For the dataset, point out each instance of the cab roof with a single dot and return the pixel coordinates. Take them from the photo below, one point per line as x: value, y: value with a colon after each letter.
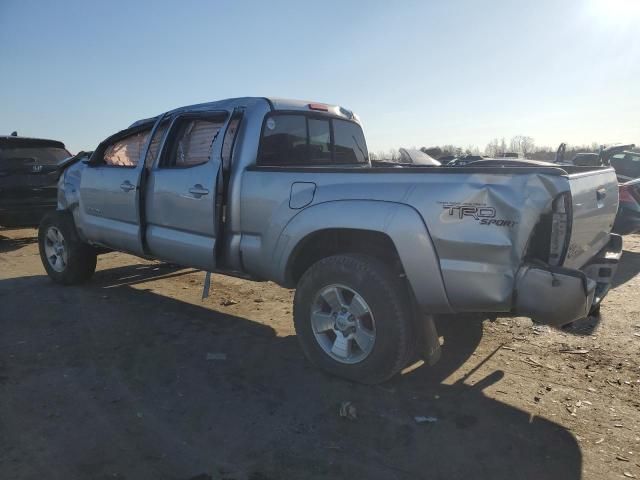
x: 275, y: 104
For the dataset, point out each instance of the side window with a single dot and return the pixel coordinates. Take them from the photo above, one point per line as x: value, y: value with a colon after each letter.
x: 192, y: 142
x: 126, y: 152
x: 350, y: 146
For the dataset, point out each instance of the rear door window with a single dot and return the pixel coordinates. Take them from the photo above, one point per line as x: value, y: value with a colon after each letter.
x: 191, y: 145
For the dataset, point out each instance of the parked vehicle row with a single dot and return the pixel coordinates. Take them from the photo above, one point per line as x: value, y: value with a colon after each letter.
x: 283, y: 190
x: 29, y: 170
x: 627, y: 166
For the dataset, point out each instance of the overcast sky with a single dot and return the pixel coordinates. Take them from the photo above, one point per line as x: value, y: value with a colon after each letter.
x: 418, y: 73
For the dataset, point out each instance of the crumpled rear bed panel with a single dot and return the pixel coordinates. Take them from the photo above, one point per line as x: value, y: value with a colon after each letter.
x: 481, y: 248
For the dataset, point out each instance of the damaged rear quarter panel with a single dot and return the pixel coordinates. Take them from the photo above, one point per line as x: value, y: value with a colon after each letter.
x: 480, y: 225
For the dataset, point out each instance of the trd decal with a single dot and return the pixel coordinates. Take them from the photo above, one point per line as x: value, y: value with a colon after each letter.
x: 481, y: 213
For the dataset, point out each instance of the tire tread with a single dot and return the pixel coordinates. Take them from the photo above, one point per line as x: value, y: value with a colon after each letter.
x: 394, y: 293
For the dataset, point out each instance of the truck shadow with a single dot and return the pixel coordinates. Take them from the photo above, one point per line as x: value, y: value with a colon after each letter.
x: 8, y: 244
x: 109, y: 381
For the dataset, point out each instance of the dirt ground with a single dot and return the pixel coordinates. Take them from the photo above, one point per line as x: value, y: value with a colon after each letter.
x: 133, y: 376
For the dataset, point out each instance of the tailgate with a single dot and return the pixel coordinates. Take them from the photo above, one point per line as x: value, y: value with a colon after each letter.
x: 594, y: 196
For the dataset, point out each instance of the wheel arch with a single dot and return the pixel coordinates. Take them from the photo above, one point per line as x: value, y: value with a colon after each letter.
x: 394, y: 232
x: 332, y: 241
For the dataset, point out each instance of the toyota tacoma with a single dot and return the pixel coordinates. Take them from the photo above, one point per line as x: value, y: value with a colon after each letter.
x: 283, y: 190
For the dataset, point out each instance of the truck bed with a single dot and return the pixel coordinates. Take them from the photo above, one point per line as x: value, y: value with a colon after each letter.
x: 482, y: 220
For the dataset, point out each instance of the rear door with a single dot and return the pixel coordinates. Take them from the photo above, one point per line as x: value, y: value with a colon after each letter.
x: 109, y: 191
x: 180, y: 202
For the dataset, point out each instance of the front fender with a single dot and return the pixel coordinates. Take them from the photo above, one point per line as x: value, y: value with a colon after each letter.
x: 404, y: 226
x: 69, y: 192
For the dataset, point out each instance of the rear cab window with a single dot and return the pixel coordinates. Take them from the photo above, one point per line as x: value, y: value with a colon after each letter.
x: 299, y: 139
x: 350, y: 146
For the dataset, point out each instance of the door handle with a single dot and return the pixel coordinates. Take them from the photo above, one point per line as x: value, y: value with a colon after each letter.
x: 127, y: 186
x: 198, y: 191
x: 601, y: 194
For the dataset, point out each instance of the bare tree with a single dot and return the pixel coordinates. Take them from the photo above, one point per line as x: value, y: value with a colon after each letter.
x: 527, y: 145
x: 514, y: 145
x: 503, y: 147
x: 492, y: 148
x: 522, y: 144
x: 472, y: 150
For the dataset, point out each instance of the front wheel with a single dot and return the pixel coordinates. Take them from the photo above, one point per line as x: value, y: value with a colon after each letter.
x: 354, y: 318
x: 65, y: 257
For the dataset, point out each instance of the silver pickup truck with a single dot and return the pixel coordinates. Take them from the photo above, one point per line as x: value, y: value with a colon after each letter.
x: 283, y: 190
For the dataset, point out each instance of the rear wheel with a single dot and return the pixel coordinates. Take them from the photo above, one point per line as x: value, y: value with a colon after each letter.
x: 65, y: 257
x: 354, y: 318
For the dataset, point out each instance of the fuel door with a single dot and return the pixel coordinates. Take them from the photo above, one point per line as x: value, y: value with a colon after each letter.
x: 301, y: 195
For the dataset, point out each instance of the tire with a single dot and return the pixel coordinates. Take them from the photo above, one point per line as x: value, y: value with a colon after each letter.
x: 390, y: 318
x: 74, y: 261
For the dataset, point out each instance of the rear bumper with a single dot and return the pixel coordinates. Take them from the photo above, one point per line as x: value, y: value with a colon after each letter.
x: 557, y: 296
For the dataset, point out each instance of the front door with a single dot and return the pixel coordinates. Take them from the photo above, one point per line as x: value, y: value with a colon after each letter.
x: 180, y: 203
x: 109, y: 192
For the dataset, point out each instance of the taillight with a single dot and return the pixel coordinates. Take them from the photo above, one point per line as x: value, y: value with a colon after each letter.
x: 560, y: 229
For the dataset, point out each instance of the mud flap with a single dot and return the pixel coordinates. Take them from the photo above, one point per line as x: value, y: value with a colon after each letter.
x: 602, y: 268
x: 553, y: 295
x: 431, y: 341
x: 207, y: 285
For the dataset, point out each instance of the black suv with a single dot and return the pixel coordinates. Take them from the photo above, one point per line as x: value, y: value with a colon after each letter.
x: 29, y: 171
